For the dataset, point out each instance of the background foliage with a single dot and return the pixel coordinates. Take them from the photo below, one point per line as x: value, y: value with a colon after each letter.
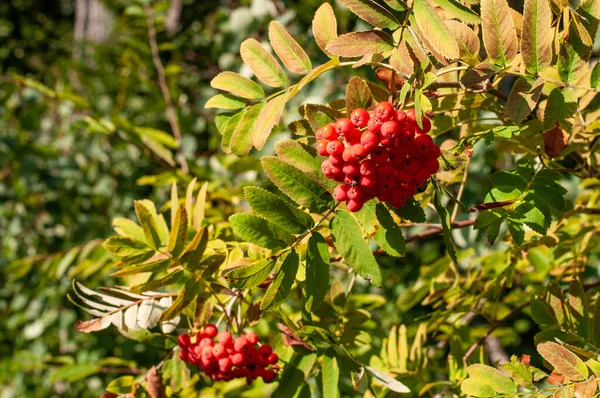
x: 85, y: 137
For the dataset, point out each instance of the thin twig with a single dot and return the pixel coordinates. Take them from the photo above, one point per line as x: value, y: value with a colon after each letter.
x: 435, y: 231
x: 460, y: 192
x: 164, y: 88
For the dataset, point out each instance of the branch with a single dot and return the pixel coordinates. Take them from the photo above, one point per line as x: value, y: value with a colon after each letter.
x: 435, y: 231
x: 164, y: 88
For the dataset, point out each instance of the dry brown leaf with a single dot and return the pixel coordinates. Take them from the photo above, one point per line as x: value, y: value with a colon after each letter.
x: 390, y: 78
x: 154, y: 385
x: 555, y: 378
x: 290, y: 338
x: 555, y: 141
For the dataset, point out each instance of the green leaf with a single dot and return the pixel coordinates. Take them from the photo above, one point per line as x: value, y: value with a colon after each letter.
x: 508, y: 179
x: 291, y: 54
x: 530, y: 215
x: 499, y: 382
x: 120, y: 385
x: 499, y: 35
x: 320, y: 115
x: 358, y: 44
x: 388, y: 381
x: 190, y: 290
x: 445, y: 221
x: 237, y: 85
x: 397, y: 5
x: 578, y: 308
x: 523, y: 97
x: 485, y: 218
x: 301, y: 127
x: 129, y: 229
x: 389, y: 236
x: 282, y: 284
x: 264, y: 65
x: 434, y: 29
x: 324, y: 27
x: 260, y: 232
x: 229, y: 129
x: 317, y: 271
x: 518, y: 372
x: 367, y: 216
x: 278, y: 211
x: 372, y: 13
x: 296, y: 184
x: 476, y: 388
x: 352, y: 246
x: 224, y: 101
x: 267, y: 119
x: 517, y: 232
x: 459, y: 11
x: 178, y: 233
x: 536, y: 36
x: 358, y: 95
x: 122, y: 246
x: 561, y: 106
x: 563, y: 360
x: 330, y: 374
x: 148, y: 224
x: 572, y: 60
x: 411, y: 211
x: 241, y: 138
x: 252, y: 275
x: 296, y: 154
x: 467, y: 40
x: 196, y: 249
x: 294, y: 375
x: 541, y: 313
x: 595, y: 76
x: 493, y: 231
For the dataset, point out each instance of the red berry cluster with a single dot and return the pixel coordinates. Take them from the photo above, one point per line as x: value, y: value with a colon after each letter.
x: 380, y: 154
x: 227, y: 358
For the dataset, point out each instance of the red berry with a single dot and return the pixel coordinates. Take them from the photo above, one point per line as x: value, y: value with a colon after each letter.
x: 335, y: 148
x: 411, y: 166
x: 359, y: 117
x: 258, y: 372
x: 225, y: 338
x: 326, y: 167
x: 352, y: 169
x: 406, y: 135
x: 385, y: 171
x: 387, y: 142
x: 326, y: 133
x: 369, y: 182
x: 426, y: 126
x: 356, y: 193
x: 368, y: 167
x: 340, y: 193
x: 401, y: 116
x: 183, y: 340
x: 384, y: 111
x: 433, y: 154
x: 411, y: 116
x: 336, y: 160
x: 322, y: 147
x: 354, y: 205
x: 343, y: 125
x: 205, y: 342
x: 369, y: 140
x: 184, y: 355
x: 207, y: 352
x: 432, y: 166
x: 273, y: 358
x: 421, y: 176
x: 211, y: 330
x: 352, y: 137
x: 374, y: 125
x: 252, y: 338
x: 384, y: 195
x: 237, y: 359
x: 241, y: 343
x: 360, y: 151
x: 422, y: 144
x: 268, y: 375
x: 251, y: 355
x: 219, y: 351
x: 379, y: 155
x: 390, y: 129
x: 201, y: 336
x: 265, y: 351
x: 349, y: 155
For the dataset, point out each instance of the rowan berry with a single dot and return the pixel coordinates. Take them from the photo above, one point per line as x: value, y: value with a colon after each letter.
x: 340, y: 193
x: 219, y: 351
x: 352, y: 169
x: 374, y: 125
x: 252, y: 338
x: 360, y: 152
x: 266, y: 350
x: 343, y: 125
x: 183, y: 340
x: 241, y: 343
x: 269, y: 375
x: 211, y: 330
x: 390, y: 130
x: 384, y: 111
x: 335, y: 147
x: 326, y: 132
x: 225, y: 338
x: 322, y: 147
x: 426, y: 126
x: 273, y: 358
x: 354, y: 205
x: 369, y: 140
x: 359, y: 117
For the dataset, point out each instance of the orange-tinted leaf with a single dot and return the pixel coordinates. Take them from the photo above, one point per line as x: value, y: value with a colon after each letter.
x: 555, y: 141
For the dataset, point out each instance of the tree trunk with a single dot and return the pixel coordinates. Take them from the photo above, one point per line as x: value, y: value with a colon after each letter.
x: 173, y: 17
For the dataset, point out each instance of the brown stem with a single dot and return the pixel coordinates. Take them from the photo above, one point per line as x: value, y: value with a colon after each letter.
x: 493, y: 205
x: 164, y: 88
x: 435, y: 231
